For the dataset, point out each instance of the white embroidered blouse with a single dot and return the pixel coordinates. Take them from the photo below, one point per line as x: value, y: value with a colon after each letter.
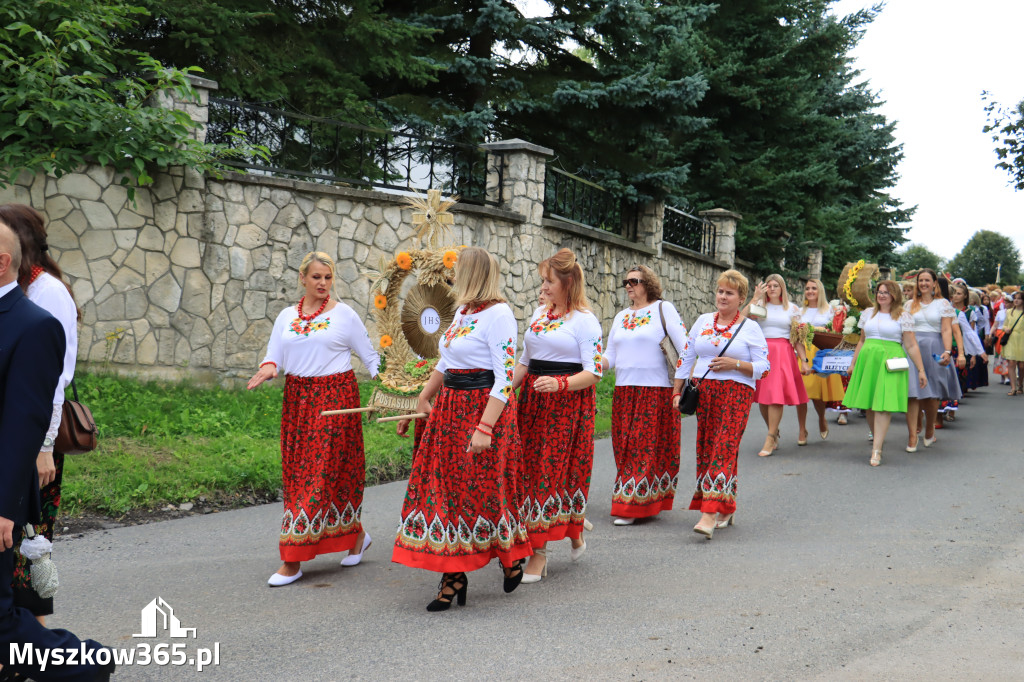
x: 749, y: 345
x: 929, y: 317
x: 883, y: 328
x: 634, y: 349
x: 573, y: 338
x: 322, y: 346
x: 483, y: 340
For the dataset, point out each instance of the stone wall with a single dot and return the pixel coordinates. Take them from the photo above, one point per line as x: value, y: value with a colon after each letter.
x: 187, y: 279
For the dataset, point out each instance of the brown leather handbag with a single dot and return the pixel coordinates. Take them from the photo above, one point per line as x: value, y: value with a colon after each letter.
x: 77, y: 432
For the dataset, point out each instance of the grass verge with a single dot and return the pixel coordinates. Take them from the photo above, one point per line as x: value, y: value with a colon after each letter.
x: 166, y: 443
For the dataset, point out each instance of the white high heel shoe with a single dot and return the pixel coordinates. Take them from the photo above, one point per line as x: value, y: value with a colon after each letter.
x: 530, y: 578
x: 354, y: 559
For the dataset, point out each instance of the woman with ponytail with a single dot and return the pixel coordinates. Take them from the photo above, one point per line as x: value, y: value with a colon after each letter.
x: 559, y: 366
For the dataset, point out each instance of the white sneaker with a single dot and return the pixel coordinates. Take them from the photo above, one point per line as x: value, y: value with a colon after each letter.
x: 622, y: 521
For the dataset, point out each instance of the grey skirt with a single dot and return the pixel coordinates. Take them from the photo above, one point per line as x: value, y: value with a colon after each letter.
x: 942, y: 381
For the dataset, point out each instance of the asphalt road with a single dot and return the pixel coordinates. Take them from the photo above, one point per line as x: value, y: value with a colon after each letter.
x: 834, y: 571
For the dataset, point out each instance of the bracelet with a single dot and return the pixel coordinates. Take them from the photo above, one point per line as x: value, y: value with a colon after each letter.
x: 489, y: 434
x: 563, y: 383
x: 947, y: 352
x: 483, y: 423
x: 268, y: 362
x: 674, y: 395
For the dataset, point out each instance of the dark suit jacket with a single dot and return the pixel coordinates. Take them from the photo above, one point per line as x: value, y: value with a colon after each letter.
x: 31, y: 360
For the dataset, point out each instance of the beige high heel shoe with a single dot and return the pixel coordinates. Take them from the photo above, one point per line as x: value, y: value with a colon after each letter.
x: 529, y: 578
x: 876, y: 457
x: 775, y: 446
x: 727, y: 521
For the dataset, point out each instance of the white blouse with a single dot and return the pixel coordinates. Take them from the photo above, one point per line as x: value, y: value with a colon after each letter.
x: 483, y: 340
x: 776, y: 324
x: 574, y: 338
x: 1000, y: 318
x: 50, y: 294
x: 705, y: 344
x: 322, y: 346
x: 815, y: 317
x: 634, y: 344
x: 929, y: 317
x: 883, y: 327
x: 972, y: 344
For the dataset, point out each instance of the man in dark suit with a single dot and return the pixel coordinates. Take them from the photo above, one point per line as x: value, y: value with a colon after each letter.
x: 31, y: 359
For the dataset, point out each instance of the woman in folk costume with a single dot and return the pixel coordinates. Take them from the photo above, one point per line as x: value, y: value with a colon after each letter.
x: 462, y: 506
x: 557, y: 370
x: 645, y: 428
x: 322, y: 458
x: 821, y: 390
x: 886, y: 333
x: 784, y: 385
x: 725, y: 355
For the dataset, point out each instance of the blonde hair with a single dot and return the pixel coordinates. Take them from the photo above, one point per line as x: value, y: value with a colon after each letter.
x: 974, y: 298
x: 477, y: 277
x: 569, y: 272
x: 823, y: 306
x: 775, y: 277
x: 895, y: 293
x: 735, y: 280
x: 652, y: 283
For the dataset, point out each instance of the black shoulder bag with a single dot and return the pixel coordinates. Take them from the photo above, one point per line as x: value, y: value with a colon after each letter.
x: 691, y: 393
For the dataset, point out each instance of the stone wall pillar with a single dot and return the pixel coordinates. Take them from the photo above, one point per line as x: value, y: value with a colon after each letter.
x: 726, y: 223
x: 815, y: 260
x: 198, y: 108
x: 515, y: 177
x: 650, y: 227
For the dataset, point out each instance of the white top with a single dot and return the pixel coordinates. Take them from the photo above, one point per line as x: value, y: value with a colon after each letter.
x: 705, y: 344
x: 575, y: 338
x: 883, y: 327
x: 634, y: 344
x: 484, y: 340
x: 322, y: 346
x: 50, y: 294
x: 972, y: 345
x: 1000, y: 318
x: 776, y: 324
x: 929, y: 317
x: 980, y: 318
x: 815, y: 317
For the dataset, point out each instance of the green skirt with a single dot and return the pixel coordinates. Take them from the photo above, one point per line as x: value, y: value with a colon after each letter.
x: 872, y: 386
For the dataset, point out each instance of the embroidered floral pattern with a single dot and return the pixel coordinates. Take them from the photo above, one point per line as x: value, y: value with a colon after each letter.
x: 509, y: 347
x: 645, y: 439
x: 721, y: 418
x: 542, y: 325
x: 632, y: 321
x: 598, y: 349
x: 306, y: 328
x: 457, y: 331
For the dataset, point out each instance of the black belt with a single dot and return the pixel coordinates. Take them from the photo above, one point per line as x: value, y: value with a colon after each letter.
x: 546, y: 368
x: 470, y: 380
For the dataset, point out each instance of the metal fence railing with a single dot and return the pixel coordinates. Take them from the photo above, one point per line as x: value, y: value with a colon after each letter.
x: 329, y: 150
x: 571, y: 198
x: 690, y: 232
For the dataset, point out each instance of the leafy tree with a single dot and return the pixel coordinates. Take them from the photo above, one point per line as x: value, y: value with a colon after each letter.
x: 982, y: 256
x: 1007, y: 128
x: 70, y: 94
x: 915, y: 257
x: 321, y: 57
x: 793, y: 143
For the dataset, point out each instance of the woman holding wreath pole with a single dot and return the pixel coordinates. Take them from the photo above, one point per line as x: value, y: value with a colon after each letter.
x: 645, y: 428
x: 784, y: 386
x: 886, y: 334
x: 933, y: 327
x: 726, y: 393
x: 322, y: 458
x: 821, y: 390
x: 558, y: 368
x: 462, y: 505
x: 43, y: 283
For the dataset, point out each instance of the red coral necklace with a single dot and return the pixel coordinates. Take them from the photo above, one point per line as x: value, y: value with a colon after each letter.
x: 309, y: 318
x: 466, y: 311
x: 727, y: 327
x: 36, y: 271
x: 551, y: 313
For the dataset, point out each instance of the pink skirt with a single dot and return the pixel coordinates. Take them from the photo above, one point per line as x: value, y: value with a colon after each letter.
x: 784, y: 384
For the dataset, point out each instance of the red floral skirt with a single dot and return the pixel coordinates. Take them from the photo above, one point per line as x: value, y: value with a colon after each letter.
x: 645, y: 437
x: 323, y: 466
x: 558, y: 457
x: 721, y: 418
x: 24, y: 596
x: 463, y: 509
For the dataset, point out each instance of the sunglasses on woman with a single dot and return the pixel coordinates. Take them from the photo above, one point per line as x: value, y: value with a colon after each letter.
x: 632, y: 281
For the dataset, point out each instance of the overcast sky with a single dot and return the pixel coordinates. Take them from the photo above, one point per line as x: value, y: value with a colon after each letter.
x: 929, y: 61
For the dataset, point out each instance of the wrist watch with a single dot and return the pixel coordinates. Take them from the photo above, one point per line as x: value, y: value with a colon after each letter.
x: 737, y: 364
x: 47, y: 442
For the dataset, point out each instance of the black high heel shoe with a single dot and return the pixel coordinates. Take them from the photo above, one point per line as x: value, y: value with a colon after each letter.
x: 513, y: 576
x: 452, y: 586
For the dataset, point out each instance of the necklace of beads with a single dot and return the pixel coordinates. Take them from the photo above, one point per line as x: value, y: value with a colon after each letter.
x: 36, y: 271
x: 466, y: 311
x: 551, y: 314
x: 727, y: 327
x: 309, y: 318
